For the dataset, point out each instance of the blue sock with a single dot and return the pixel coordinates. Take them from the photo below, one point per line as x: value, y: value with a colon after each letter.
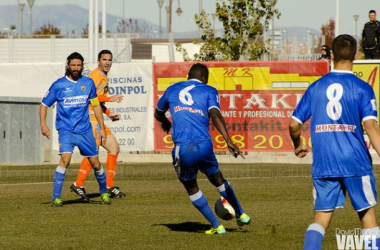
x: 228, y: 193
x: 59, y: 177
x: 200, y: 202
x: 372, y: 233
x: 101, y: 178
x: 314, y: 237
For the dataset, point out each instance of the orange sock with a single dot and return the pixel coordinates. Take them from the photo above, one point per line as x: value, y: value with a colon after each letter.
x: 111, y: 169
x: 85, y: 168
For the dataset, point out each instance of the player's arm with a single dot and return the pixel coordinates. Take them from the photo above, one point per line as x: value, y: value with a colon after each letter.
x: 111, y: 115
x: 300, y: 150
x: 99, y: 117
x: 45, y: 131
x: 161, y: 117
x: 114, y: 98
x: 220, y: 124
x: 373, y: 133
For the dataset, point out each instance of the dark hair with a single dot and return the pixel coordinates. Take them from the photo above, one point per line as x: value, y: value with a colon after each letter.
x: 372, y: 11
x: 73, y: 56
x: 198, y: 71
x: 344, y: 48
x: 105, y: 51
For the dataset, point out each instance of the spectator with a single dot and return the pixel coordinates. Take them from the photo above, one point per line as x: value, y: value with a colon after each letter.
x: 371, y: 37
x: 325, y: 53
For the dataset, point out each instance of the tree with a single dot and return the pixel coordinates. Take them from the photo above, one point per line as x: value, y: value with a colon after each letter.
x: 85, y: 30
x: 47, y: 29
x: 243, y: 21
x: 132, y: 26
x: 328, y: 30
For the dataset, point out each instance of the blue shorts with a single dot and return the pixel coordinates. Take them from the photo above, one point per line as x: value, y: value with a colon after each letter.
x: 330, y: 193
x: 85, y: 142
x: 188, y: 158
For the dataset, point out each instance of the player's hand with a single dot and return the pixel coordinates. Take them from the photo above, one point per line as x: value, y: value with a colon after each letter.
x: 103, y: 136
x: 116, y: 98
x: 235, y: 151
x: 45, y: 131
x: 301, y: 151
x: 166, y: 126
x: 114, y: 116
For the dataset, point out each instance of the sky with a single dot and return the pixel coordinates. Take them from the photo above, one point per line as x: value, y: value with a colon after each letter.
x: 305, y: 13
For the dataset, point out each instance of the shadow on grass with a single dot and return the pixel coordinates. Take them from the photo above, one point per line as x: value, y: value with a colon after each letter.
x: 192, y: 227
x: 80, y: 201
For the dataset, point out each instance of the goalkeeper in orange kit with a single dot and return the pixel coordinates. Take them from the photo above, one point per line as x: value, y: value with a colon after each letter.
x: 99, y: 75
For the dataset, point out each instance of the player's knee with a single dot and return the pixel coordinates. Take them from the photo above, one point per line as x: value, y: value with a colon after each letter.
x: 95, y: 163
x: 216, y: 179
x: 191, y: 186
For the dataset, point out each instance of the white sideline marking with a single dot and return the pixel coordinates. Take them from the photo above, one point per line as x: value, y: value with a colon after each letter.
x: 199, y: 179
x: 17, y: 184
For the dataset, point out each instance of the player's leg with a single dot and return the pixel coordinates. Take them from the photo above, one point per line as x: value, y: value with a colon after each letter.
x: 113, y: 149
x: 66, y: 148
x: 362, y: 191
x: 85, y: 166
x: 184, y: 161
x: 87, y: 147
x: 328, y: 195
x: 209, y: 165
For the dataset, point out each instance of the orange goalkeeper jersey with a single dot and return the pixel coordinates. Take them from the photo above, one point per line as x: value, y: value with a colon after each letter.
x: 101, y: 84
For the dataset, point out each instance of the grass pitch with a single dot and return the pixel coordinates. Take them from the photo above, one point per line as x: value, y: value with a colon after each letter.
x: 157, y: 213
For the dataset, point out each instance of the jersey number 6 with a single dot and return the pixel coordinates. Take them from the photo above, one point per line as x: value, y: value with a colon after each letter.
x: 185, y: 97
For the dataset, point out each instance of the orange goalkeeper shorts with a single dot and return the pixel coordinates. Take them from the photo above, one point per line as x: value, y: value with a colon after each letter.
x: 96, y: 130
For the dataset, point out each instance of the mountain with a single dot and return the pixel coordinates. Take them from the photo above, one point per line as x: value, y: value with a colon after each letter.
x: 67, y: 17
x: 71, y: 18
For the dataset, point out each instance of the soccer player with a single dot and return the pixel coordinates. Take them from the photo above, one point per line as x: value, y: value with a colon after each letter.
x: 338, y: 104
x: 99, y: 75
x: 73, y: 93
x: 191, y: 103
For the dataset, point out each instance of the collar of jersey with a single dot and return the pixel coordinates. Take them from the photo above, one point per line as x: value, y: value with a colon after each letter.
x: 341, y: 71
x: 195, y: 80
x: 71, y: 80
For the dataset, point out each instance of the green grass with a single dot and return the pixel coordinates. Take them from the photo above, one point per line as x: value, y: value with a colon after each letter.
x: 157, y: 213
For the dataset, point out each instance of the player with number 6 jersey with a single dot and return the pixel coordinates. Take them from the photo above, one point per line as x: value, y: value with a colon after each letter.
x: 192, y: 103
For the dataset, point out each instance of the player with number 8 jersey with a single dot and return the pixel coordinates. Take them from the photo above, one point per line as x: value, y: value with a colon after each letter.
x: 336, y: 133
x: 338, y: 104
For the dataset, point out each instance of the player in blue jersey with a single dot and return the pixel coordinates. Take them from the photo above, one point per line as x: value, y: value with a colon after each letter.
x: 191, y: 103
x: 338, y: 103
x: 73, y: 94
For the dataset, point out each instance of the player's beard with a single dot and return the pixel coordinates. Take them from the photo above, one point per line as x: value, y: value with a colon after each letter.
x: 75, y: 75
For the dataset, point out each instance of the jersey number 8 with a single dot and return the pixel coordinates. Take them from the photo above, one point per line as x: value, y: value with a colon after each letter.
x: 334, y: 108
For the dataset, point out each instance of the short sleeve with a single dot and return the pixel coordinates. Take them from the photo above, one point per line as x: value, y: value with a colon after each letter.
x: 163, y: 103
x: 368, y: 105
x: 93, y: 93
x: 302, y: 112
x: 51, y: 96
x: 213, y: 99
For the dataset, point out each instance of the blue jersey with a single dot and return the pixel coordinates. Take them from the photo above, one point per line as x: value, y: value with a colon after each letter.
x: 73, y: 99
x: 338, y: 103
x: 189, y: 103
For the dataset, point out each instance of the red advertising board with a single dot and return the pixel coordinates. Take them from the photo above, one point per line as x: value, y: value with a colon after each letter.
x: 256, y: 98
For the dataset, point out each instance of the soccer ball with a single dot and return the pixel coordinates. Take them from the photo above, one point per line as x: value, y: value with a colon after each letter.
x: 223, y: 209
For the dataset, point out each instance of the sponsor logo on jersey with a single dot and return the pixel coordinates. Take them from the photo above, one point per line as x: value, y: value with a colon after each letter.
x: 334, y: 128
x: 83, y: 87
x: 75, y: 101
x: 191, y: 110
x: 68, y: 90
